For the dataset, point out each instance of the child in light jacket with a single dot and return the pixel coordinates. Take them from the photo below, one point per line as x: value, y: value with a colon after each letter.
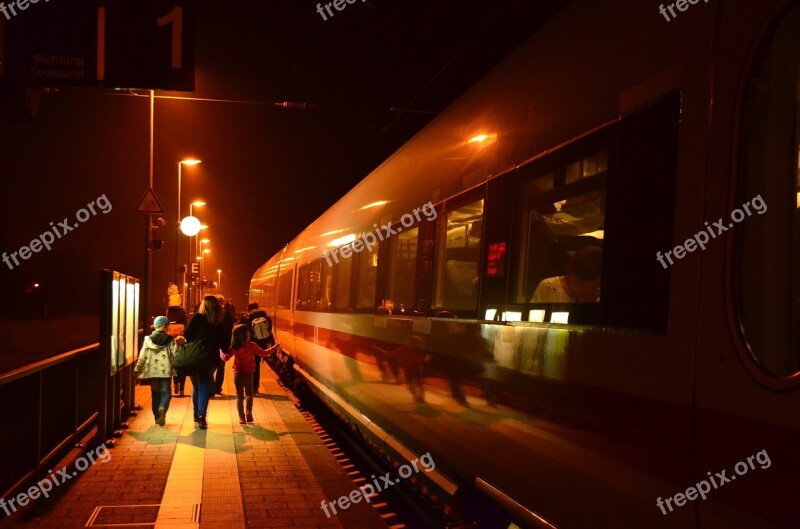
x: 243, y: 368
x: 155, y: 364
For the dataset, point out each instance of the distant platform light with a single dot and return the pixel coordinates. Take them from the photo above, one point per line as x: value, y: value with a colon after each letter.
x: 490, y: 314
x: 559, y: 317
x: 190, y: 226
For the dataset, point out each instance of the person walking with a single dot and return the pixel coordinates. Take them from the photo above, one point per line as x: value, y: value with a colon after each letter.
x: 244, y: 365
x: 207, y: 327
x: 262, y: 336
x: 228, y: 320
x: 155, y: 365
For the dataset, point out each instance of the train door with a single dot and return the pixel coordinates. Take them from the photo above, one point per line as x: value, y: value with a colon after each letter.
x: 748, y: 364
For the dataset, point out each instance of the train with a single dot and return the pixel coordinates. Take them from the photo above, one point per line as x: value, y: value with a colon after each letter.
x: 496, y: 293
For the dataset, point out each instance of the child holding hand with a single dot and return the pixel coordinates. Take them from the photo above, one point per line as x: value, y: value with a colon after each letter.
x: 244, y: 366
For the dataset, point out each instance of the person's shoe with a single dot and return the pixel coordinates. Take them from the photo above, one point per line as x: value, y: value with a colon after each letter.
x: 196, y: 418
x: 161, y: 419
x: 249, y: 417
x: 241, y: 420
x: 201, y: 422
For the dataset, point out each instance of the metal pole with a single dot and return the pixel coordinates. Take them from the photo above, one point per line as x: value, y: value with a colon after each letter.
x: 178, y: 232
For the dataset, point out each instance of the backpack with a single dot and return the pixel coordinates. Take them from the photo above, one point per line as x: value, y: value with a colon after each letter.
x: 261, y: 329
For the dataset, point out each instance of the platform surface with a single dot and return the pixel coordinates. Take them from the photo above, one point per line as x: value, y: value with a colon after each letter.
x: 274, y: 472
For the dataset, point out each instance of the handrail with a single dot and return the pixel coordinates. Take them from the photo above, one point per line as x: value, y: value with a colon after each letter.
x: 29, y: 369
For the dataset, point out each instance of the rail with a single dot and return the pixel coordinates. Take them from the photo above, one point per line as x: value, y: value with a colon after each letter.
x: 46, y: 408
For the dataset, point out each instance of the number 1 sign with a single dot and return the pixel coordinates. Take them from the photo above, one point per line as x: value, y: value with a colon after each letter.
x: 147, y: 44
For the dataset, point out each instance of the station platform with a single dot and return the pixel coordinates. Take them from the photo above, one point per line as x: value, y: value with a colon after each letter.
x: 274, y: 472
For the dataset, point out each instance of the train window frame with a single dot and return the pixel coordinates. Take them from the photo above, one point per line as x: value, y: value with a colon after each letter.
x: 302, y: 287
x: 639, y: 206
x: 454, y: 203
x: 391, y: 304
x: 757, y: 130
x: 556, y: 166
x: 336, y: 270
x: 357, y: 258
x: 284, y: 293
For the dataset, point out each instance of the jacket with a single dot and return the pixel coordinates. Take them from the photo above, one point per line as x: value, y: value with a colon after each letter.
x: 156, y: 357
x: 245, y: 361
x: 213, y: 337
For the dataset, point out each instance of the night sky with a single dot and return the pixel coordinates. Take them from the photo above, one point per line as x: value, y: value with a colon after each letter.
x: 267, y: 171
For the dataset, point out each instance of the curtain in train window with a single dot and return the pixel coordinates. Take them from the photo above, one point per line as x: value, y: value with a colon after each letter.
x: 458, y: 241
x: 561, y: 227
x: 768, y: 245
x: 343, y: 271
x: 366, y: 279
x: 402, y: 266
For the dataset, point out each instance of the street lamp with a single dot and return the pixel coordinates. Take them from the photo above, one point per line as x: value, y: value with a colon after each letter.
x: 189, y: 161
x: 192, y: 242
x: 219, y: 280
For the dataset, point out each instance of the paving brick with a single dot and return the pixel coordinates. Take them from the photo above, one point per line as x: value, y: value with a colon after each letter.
x: 269, y: 474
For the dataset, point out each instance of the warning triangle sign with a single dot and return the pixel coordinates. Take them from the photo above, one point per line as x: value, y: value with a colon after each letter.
x: 149, y: 203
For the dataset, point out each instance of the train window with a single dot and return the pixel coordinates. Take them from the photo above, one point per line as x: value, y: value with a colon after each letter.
x: 314, y: 272
x: 342, y: 272
x: 561, y: 225
x: 402, y: 265
x: 302, y: 288
x: 267, y: 298
x: 366, y: 278
x: 458, y: 238
x: 768, y: 246
x: 325, y: 287
x: 285, y: 289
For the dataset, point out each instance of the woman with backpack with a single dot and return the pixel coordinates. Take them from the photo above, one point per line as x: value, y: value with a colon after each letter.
x: 207, y: 327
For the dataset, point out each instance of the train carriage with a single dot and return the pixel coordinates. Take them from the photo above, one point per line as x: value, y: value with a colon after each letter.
x: 516, y: 290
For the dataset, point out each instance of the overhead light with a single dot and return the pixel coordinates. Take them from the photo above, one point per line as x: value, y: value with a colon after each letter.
x: 374, y: 205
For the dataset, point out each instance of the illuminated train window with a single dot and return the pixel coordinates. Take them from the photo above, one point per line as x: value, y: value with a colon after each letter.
x: 285, y: 288
x: 768, y: 246
x: 561, y: 233
x: 402, y: 268
x: 341, y: 273
x: 588, y: 221
x: 366, y: 278
x: 458, y: 244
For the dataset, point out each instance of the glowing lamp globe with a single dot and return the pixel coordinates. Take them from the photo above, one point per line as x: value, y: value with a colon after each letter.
x: 190, y: 226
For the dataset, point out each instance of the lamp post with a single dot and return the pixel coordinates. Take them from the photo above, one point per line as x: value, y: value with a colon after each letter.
x: 200, y: 254
x: 180, y: 167
x: 219, y: 280
x: 192, y: 242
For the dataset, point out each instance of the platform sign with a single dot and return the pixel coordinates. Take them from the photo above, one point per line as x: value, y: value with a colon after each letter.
x: 51, y: 44
x: 147, y: 44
